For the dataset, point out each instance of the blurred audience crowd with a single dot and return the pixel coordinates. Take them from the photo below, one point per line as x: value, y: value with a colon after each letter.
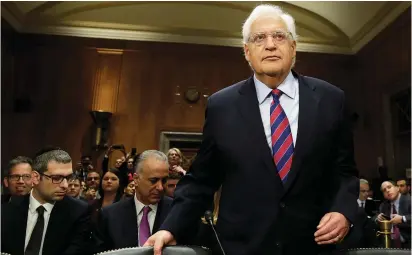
x: 51, y: 205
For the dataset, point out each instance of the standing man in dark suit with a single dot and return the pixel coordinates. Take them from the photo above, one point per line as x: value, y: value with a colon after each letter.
x: 46, y: 221
x: 281, y: 146
x: 398, y: 208
x: 130, y: 222
x: 364, y: 202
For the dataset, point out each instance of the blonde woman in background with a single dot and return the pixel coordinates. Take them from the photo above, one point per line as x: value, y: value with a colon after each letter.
x: 175, y: 158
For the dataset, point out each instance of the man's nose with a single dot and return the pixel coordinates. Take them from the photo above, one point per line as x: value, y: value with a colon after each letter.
x: 159, y: 186
x: 64, y: 183
x: 269, y: 43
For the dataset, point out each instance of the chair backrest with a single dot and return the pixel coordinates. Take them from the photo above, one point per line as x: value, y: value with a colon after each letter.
x: 374, y: 251
x: 169, y: 250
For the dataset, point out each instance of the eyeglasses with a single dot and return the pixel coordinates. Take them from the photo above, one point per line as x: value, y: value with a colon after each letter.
x: 16, y: 177
x: 363, y: 191
x: 57, y: 179
x: 93, y: 178
x: 279, y: 36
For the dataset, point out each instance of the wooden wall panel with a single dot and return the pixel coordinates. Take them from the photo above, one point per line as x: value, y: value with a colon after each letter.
x: 384, y: 69
x: 59, y: 74
x: 106, y: 87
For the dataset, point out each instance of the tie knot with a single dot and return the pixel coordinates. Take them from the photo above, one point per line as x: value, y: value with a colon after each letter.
x: 40, y: 210
x: 276, y: 93
x: 146, y: 210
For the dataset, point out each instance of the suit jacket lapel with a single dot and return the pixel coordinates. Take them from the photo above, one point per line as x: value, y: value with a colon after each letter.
x: 161, y: 215
x: 20, y: 221
x: 56, y: 226
x: 129, y: 223
x: 248, y: 106
x: 308, y: 108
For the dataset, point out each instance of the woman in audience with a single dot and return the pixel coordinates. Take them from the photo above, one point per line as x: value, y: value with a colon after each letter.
x: 111, y: 191
x: 175, y: 157
x: 129, y: 189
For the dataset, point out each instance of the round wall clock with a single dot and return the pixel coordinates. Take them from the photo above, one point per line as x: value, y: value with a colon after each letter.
x: 192, y: 95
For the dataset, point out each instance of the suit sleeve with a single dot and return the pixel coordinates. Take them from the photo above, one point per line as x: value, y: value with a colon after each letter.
x: 196, y: 189
x: 80, y: 235
x: 407, y: 224
x: 100, y: 237
x: 346, y: 173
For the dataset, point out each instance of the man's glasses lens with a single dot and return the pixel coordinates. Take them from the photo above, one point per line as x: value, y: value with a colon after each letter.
x: 16, y: 177
x: 57, y: 179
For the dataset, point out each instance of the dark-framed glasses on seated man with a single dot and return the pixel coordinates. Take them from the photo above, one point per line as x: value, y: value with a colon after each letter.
x: 57, y: 179
x: 16, y: 177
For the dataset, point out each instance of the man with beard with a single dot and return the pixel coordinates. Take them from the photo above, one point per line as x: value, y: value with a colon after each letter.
x: 18, y: 178
x: 46, y: 221
x: 147, y: 209
x: 92, y: 184
x: 74, y: 187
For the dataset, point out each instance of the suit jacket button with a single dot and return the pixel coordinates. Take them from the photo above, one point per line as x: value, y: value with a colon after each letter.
x: 282, y: 205
x: 278, y: 244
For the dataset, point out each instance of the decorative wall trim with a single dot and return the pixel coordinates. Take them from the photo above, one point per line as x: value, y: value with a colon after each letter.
x: 168, y: 136
x: 164, y: 37
x: 376, y: 25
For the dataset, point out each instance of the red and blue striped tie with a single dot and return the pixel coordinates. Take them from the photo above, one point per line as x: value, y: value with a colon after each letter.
x: 282, y: 141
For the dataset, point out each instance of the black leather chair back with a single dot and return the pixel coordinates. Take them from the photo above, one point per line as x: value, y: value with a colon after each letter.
x: 169, y: 250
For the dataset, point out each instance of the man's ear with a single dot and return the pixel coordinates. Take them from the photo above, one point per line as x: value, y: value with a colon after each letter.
x: 6, y: 182
x: 35, y: 176
x: 136, y: 178
x: 246, y: 52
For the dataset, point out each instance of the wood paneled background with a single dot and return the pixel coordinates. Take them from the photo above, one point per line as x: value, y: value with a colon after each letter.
x: 143, y: 84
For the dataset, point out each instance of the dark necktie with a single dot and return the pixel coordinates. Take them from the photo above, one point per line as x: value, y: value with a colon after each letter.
x: 33, y: 247
x: 363, y: 204
x: 282, y: 141
x: 396, y: 235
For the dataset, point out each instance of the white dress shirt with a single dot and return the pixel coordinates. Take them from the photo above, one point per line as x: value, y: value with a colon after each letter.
x: 32, y: 219
x: 360, y: 203
x: 289, y: 100
x: 151, y: 215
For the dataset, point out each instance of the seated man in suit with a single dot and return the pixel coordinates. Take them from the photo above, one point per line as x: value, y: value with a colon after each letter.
x: 46, y: 221
x: 18, y: 178
x: 364, y: 202
x: 130, y: 222
x: 404, y: 188
x: 398, y: 208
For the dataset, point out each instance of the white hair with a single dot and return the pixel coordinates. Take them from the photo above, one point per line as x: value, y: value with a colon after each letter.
x: 267, y: 10
x: 158, y: 155
x: 363, y: 181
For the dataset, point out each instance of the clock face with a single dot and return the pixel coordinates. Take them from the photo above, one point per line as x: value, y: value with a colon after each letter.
x: 192, y: 95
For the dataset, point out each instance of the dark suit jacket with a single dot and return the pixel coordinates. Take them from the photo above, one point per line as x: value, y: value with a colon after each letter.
x: 68, y: 230
x: 117, y: 224
x: 370, y: 208
x: 404, y: 210
x: 362, y: 234
x: 258, y: 213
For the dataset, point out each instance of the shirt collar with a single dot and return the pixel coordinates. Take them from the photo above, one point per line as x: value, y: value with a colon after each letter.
x: 396, y: 202
x: 34, y: 204
x: 140, y: 205
x: 287, y: 87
